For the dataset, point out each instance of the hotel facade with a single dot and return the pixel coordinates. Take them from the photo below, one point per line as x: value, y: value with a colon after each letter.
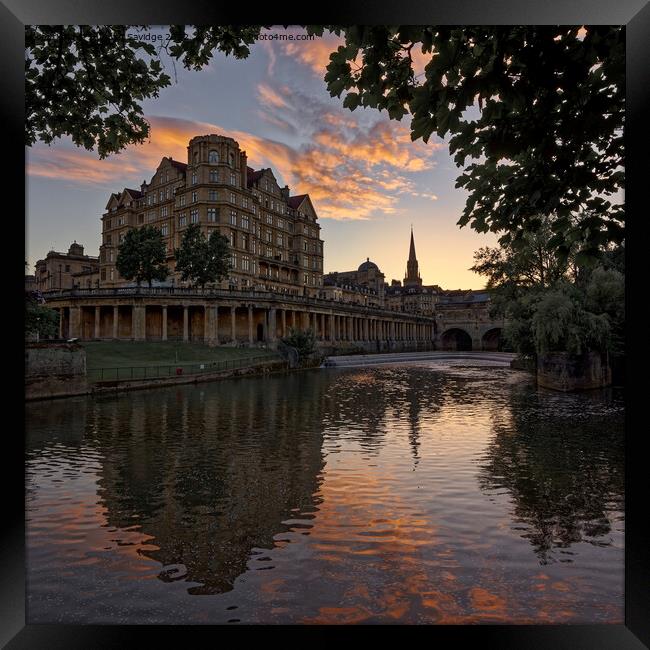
x: 274, y: 237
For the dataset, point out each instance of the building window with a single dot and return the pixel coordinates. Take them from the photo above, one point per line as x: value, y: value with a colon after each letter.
x: 231, y: 157
x: 233, y: 261
x: 233, y: 238
x: 193, y: 178
x: 212, y: 195
x: 305, y: 279
x: 182, y: 220
x: 181, y: 200
x: 212, y: 214
x: 214, y: 176
x: 195, y: 197
x: 194, y: 216
x: 245, y: 263
x: 111, y: 272
x: 244, y: 221
x: 269, y: 219
x: 233, y: 179
x: 233, y: 218
x: 140, y: 218
x: 280, y: 239
x: 164, y: 211
x: 102, y: 275
x: 269, y: 236
x: 233, y: 198
x: 304, y: 246
x: 213, y: 157
x: 244, y: 202
x: 107, y: 239
x: 305, y: 260
x: 121, y: 237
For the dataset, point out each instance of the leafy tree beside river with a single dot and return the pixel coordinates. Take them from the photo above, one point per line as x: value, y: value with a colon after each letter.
x: 553, y: 304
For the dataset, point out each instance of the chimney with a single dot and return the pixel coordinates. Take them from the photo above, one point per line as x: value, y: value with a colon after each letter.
x: 285, y: 192
x: 243, y: 169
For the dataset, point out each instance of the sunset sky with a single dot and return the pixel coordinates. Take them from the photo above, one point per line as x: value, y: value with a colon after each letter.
x: 367, y: 180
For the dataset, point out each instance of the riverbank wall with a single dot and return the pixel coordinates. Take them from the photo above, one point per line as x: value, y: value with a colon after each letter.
x: 55, y: 370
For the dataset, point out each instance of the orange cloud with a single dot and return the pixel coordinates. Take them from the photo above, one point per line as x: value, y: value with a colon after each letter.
x: 270, y: 96
x: 350, y: 172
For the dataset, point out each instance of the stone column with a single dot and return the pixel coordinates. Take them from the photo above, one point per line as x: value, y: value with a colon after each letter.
x: 332, y: 335
x: 116, y: 321
x: 250, y: 324
x: 164, y: 323
x: 186, y: 323
x: 138, y: 322
x: 97, y: 316
x: 207, y: 322
x: 232, y: 324
x: 272, y: 324
x: 366, y: 324
x: 284, y: 323
x: 216, y: 324
x: 61, y: 312
x: 75, y: 322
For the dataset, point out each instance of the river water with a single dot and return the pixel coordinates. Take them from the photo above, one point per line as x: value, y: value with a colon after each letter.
x: 433, y: 492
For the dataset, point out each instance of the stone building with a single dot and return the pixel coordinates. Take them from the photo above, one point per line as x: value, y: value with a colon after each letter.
x: 66, y: 270
x: 366, y: 281
x: 274, y: 237
x: 412, y: 296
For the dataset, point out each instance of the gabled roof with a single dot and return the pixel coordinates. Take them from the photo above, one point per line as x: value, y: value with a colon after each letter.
x: 296, y: 201
x: 135, y: 194
x: 178, y: 165
x: 253, y: 175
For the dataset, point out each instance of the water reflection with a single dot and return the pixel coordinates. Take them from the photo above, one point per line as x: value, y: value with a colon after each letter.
x: 414, y: 493
x: 561, y: 460
x: 211, y: 479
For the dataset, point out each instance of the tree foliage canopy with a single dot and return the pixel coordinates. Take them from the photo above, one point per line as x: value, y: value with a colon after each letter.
x: 538, y: 111
x: 200, y: 259
x: 39, y: 319
x: 141, y: 256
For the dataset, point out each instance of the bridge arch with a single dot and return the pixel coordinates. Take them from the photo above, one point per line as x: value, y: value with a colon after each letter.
x: 492, y: 339
x: 456, y: 338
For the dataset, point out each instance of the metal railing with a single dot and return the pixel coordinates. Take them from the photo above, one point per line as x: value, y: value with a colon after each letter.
x: 128, y: 373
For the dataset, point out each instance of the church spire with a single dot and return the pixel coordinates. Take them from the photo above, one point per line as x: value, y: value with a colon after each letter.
x: 412, y: 257
x: 412, y: 273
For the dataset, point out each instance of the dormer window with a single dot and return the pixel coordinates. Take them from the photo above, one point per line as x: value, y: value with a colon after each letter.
x: 231, y: 157
x: 213, y: 157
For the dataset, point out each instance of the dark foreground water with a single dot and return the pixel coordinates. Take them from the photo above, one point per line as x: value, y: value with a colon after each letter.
x: 425, y: 493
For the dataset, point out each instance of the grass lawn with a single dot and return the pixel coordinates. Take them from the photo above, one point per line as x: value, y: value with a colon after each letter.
x: 120, y: 354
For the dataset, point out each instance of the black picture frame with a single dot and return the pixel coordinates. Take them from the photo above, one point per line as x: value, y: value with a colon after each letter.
x: 635, y: 14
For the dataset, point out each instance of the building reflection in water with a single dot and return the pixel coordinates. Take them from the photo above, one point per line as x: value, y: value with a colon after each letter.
x: 211, y: 479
